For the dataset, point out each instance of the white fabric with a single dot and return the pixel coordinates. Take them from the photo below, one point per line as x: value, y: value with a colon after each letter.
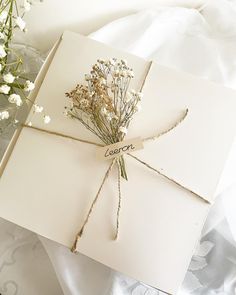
x: 202, y: 42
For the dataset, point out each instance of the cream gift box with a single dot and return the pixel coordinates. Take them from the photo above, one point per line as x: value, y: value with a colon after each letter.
x: 48, y: 182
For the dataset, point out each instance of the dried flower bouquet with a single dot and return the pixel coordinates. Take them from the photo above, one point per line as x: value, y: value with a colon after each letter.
x: 106, y: 106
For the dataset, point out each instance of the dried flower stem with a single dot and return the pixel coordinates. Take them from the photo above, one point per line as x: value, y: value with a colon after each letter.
x: 105, y: 106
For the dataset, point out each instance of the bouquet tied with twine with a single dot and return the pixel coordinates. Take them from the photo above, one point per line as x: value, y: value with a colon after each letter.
x: 106, y: 107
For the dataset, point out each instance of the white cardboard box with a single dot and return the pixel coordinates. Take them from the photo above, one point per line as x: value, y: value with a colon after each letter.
x: 48, y: 182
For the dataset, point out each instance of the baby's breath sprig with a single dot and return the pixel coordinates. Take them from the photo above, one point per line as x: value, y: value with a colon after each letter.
x: 14, y: 87
x: 105, y: 105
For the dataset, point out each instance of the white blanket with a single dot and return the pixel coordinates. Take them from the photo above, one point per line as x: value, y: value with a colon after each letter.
x: 202, y: 42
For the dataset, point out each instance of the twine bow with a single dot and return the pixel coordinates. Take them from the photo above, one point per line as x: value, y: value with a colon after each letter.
x: 116, y: 162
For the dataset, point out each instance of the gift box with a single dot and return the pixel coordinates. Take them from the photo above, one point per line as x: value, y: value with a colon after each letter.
x: 48, y: 182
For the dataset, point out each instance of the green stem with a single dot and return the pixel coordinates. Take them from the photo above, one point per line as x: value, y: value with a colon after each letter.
x: 121, y: 163
x: 9, y: 32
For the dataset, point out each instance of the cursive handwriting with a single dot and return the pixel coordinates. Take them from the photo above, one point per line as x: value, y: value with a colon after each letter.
x: 116, y: 151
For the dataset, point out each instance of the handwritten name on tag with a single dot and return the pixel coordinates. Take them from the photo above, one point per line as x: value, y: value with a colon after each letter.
x: 117, y: 149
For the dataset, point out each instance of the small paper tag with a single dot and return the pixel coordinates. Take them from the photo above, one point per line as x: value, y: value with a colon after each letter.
x: 117, y: 149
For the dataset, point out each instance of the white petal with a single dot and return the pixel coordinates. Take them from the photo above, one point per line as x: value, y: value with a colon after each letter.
x: 20, y: 23
x: 4, y: 89
x: 46, y: 119
x: 8, y: 78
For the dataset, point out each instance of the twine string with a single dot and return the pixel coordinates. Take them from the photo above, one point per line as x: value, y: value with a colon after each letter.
x: 173, y: 126
x: 80, y: 233
x: 119, y: 202
x: 61, y: 135
x: 107, y: 174
x: 115, y: 161
x: 167, y: 177
x: 156, y: 136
